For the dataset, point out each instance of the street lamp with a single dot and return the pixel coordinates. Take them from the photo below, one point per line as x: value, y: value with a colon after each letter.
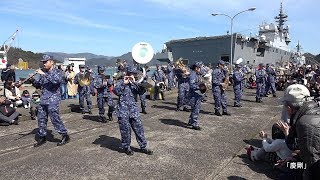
x: 231, y: 19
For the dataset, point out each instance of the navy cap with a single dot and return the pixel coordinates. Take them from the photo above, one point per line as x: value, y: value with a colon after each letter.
x: 221, y: 62
x: 268, y: 64
x: 198, y: 64
x: 238, y: 65
x: 46, y: 58
x: 132, y: 69
x: 82, y: 66
x: 101, y: 68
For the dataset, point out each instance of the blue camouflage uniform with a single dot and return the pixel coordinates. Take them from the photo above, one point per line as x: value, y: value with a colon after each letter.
x: 244, y: 82
x: 142, y: 97
x: 260, y: 80
x: 49, y: 102
x: 83, y: 91
x: 237, y: 85
x: 270, y: 83
x: 195, y: 97
x: 128, y: 112
x: 170, y: 76
x: 158, y: 76
x: 91, y: 86
x: 183, y: 88
x: 103, y: 94
x: 220, y: 98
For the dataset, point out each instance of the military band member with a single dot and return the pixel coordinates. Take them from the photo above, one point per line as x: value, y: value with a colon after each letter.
x: 143, y: 96
x: 49, y: 81
x: 260, y: 80
x: 182, y: 74
x: 128, y: 112
x: 170, y: 72
x: 195, y: 97
x: 83, y: 80
x: 270, y: 82
x: 238, y: 86
x: 102, y: 83
x: 219, y: 96
x: 158, y: 77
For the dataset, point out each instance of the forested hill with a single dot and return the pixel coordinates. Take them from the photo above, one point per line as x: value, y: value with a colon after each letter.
x: 32, y: 58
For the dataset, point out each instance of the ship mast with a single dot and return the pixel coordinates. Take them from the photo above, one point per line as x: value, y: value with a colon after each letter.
x: 281, y: 19
x: 298, y: 47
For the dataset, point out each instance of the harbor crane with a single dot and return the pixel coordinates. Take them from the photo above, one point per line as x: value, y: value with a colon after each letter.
x: 5, y: 48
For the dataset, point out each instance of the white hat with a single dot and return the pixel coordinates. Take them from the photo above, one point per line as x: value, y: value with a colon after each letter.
x: 296, y: 93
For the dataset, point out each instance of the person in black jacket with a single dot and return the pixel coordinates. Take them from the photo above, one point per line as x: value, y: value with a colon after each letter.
x: 303, y: 132
x: 8, y: 74
x: 8, y: 114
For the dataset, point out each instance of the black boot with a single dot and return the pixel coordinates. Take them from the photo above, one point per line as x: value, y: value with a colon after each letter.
x: 65, y: 139
x: 196, y: 128
x: 146, y: 151
x: 226, y: 113
x: 178, y: 108
x: 110, y: 117
x: 217, y: 112
x: 186, y: 109
x: 103, y: 119
x: 128, y: 151
x: 90, y: 112
x: 144, y: 110
x: 40, y: 141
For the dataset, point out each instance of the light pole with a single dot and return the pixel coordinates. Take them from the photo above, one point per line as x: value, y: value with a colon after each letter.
x: 231, y: 24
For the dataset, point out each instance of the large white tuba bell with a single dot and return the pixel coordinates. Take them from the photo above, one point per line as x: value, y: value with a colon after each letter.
x: 239, y: 61
x: 142, y: 53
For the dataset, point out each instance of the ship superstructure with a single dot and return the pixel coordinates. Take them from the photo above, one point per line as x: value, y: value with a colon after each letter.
x: 270, y: 45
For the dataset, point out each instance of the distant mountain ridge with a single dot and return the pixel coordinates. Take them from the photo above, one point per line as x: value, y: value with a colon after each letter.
x: 61, y: 55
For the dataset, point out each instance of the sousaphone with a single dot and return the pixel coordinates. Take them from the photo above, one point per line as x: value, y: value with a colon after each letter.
x: 142, y: 53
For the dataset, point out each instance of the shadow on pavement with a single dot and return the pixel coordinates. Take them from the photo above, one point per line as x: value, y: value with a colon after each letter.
x: 164, y: 107
x: 174, y: 122
x: 260, y: 167
x: 247, y: 100
x: 111, y: 143
x: 254, y: 142
x: 75, y: 108
x: 50, y: 137
x: 236, y: 178
x: 92, y: 118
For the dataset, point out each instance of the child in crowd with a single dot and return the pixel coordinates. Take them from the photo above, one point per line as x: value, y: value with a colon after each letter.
x: 26, y: 99
x: 34, y: 103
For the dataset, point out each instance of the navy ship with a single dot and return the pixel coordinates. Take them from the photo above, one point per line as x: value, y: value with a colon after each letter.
x: 270, y: 45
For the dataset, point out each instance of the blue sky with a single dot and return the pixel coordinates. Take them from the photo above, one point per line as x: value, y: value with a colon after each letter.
x: 112, y: 27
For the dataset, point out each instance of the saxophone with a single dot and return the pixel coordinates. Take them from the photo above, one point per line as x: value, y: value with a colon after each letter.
x: 84, y: 79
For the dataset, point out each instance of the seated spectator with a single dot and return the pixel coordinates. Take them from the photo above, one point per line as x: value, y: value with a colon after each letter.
x: 13, y: 93
x: 8, y: 114
x: 304, y: 132
x: 277, y: 146
x: 35, y: 101
x: 26, y: 99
